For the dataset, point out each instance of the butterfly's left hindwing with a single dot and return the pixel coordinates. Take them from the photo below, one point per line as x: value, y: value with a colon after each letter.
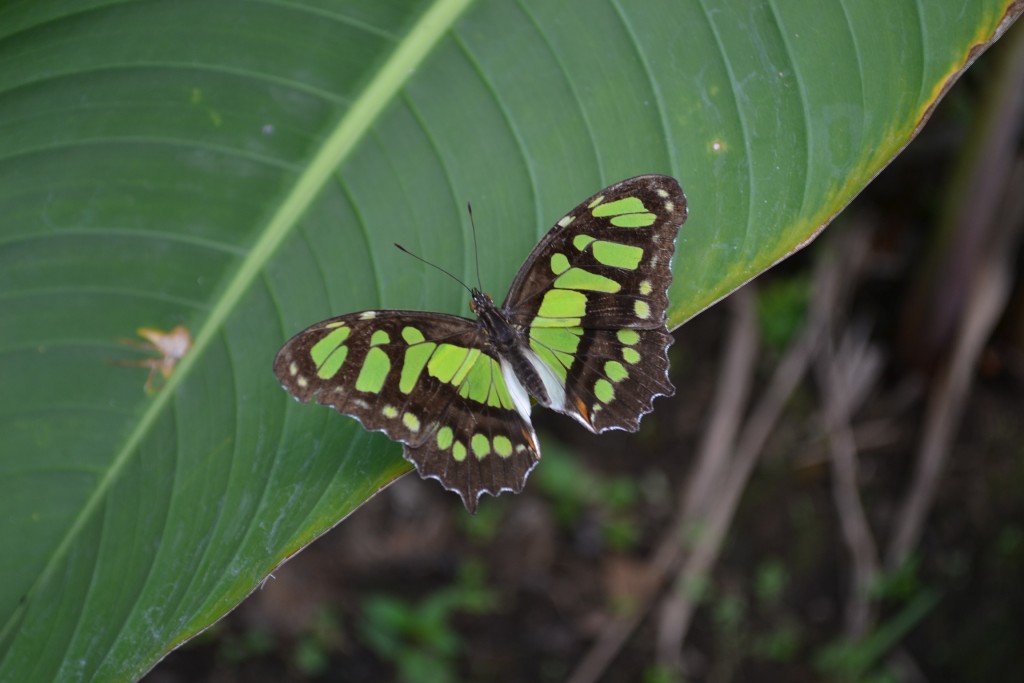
x: 592, y: 298
x: 428, y: 380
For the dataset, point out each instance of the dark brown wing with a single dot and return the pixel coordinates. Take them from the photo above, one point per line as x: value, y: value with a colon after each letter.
x: 427, y: 380
x: 602, y: 270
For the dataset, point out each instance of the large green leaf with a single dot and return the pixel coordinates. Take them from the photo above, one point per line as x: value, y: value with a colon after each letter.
x: 242, y: 168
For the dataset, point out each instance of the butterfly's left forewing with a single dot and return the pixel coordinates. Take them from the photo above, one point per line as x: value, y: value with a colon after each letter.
x: 427, y: 380
x: 593, y: 296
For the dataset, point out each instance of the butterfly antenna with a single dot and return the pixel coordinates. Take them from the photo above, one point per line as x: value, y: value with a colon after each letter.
x: 433, y: 265
x: 476, y: 249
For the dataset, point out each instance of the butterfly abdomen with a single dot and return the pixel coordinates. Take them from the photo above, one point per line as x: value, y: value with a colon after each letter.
x: 510, y: 345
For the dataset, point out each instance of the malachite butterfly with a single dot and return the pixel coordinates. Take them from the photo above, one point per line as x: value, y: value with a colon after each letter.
x: 582, y: 331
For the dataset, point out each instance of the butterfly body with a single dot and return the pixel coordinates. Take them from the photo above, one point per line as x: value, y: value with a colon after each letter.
x: 582, y: 331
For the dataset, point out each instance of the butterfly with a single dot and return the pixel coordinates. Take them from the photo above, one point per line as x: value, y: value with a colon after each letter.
x: 582, y: 331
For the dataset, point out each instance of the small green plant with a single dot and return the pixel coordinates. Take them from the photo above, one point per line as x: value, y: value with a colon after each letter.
x: 770, y: 583
x: 418, y: 638
x: 311, y: 654
x: 574, y: 490
x: 250, y: 644
x: 861, y: 660
x: 781, y: 644
x: 662, y: 674
x: 781, y: 309
x: 484, y: 525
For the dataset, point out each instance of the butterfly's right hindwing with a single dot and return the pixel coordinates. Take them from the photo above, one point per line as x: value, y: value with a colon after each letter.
x: 427, y: 380
x: 593, y: 298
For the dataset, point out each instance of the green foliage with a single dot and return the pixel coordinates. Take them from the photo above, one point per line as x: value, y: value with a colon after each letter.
x: 898, y: 585
x: 862, y: 660
x: 163, y: 163
x: 419, y: 638
x: 312, y: 652
x: 574, y: 490
x: 782, y: 308
x: 250, y: 644
x: 661, y: 674
x: 781, y: 644
x: 483, y: 526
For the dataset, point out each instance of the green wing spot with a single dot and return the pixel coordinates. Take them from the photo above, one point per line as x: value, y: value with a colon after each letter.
x: 577, y: 278
x: 390, y: 412
x: 468, y: 365
x: 556, y: 347
x: 559, y: 264
x: 380, y: 337
x: 564, y: 339
x: 451, y: 363
x: 628, y: 212
x: 445, y: 437
x: 478, y: 381
x: 415, y: 358
x: 332, y: 363
x: 628, y: 337
x: 374, y: 371
x: 604, y: 391
x: 615, y: 371
x: 481, y: 446
x: 646, y: 288
x: 597, y: 200
x: 498, y: 395
x: 618, y: 255
x: 634, y: 220
x: 411, y: 335
x: 631, y: 356
x: 560, y: 367
x: 411, y: 421
x: 331, y: 326
x: 326, y: 347
x: 485, y: 384
x: 459, y: 451
x: 620, y: 206
x: 581, y: 241
x: 502, y: 446
x: 563, y: 303
x: 642, y: 309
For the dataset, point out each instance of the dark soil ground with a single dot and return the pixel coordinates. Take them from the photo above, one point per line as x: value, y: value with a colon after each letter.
x: 411, y: 588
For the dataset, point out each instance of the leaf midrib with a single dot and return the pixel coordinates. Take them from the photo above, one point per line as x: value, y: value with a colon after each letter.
x: 408, y: 55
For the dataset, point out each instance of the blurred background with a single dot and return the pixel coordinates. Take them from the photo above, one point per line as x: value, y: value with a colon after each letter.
x: 834, y: 492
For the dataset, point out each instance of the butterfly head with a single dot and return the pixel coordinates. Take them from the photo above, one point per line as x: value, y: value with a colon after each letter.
x: 480, y: 301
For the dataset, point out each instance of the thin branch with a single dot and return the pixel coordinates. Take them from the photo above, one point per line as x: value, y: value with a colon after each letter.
x: 836, y: 371
x: 986, y: 301
x: 712, y: 461
x: 987, y: 209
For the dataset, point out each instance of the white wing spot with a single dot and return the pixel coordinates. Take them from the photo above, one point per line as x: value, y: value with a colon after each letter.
x: 293, y: 368
x: 662, y: 193
x: 566, y: 220
x: 670, y: 207
x: 302, y: 382
x: 520, y: 398
x: 368, y: 315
